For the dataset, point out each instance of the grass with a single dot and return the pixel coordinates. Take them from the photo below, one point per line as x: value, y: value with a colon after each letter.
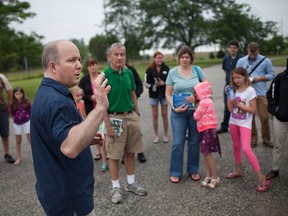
x: 31, y: 81
x: 281, y: 61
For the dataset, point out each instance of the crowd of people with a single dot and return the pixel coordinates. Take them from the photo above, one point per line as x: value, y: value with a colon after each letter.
x: 69, y: 115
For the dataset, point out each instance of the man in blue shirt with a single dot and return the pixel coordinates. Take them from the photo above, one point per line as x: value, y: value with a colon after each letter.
x: 60, y: 138
x: 228, y: 64
x: 261, y: 74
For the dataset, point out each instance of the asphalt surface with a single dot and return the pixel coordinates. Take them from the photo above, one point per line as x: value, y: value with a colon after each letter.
x: 233, y: 197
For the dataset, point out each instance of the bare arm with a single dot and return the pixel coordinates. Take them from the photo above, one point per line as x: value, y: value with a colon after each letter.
x: 168, y: 95
x: 80, y: 136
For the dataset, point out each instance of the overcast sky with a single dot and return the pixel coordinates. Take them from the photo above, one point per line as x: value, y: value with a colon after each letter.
x: 67, y: 19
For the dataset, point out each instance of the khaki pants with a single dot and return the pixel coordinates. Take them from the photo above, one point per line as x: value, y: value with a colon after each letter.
x: 280, y: 138
x: 262, y: 113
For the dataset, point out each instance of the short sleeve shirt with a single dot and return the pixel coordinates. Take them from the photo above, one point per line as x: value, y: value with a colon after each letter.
x: 238, y: 116
x: 64, y: 185
x: 181, y: 84
x: 122, y: 84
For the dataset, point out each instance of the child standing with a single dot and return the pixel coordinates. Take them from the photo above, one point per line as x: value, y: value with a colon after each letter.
x: 242, y: 106
x: 77, y: 93
x: 205, y: 115
x: 20, y: 109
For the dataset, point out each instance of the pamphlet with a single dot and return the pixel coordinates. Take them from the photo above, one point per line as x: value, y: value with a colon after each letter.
x: 117, y: 125
x: 180, y: 99
x: 102, y: 128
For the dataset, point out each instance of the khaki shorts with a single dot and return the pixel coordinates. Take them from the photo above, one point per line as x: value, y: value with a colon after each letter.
x: 130, y: 139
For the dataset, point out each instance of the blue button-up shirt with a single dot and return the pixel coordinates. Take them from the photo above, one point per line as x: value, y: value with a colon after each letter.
x: 64, y: 185
x: 264, y: 69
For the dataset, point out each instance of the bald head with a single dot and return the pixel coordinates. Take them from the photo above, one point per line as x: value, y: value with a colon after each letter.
x: 51, y: 52
x: 61, y: 61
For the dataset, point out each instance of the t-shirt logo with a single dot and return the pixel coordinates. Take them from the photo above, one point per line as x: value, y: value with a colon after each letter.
x: 239, y: 113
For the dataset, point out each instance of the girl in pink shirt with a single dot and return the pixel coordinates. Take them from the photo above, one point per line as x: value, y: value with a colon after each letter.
x: 205, y: 115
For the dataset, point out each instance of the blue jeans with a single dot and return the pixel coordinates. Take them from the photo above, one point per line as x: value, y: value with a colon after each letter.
x: 226, y: 117
x: 180, y: 123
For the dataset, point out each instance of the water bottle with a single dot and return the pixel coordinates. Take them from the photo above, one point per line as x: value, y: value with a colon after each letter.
x: 230, y: 92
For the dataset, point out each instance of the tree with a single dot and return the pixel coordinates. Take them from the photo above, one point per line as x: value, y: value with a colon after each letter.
x: 11, y: 11
x: 99, y: 44
x: 172, y: 21
x: 124, y: 18
x: 232, y: 21
x: 83, y: 49
x: 276, y: 45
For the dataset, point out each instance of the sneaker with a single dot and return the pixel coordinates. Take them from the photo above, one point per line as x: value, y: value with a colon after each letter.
x: 116, y: 196
x: 136, y: 189
x: 272, y: 174
x: 9, y: 158
x: 141, y: 158
x: 104, y: 167
x: 222, y: 130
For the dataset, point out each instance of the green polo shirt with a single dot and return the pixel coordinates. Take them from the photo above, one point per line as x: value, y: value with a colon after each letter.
x: 120, y: 97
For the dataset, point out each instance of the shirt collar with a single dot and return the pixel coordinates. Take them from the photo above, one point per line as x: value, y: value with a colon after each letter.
x: 57, y: 85
x: 110, y: 70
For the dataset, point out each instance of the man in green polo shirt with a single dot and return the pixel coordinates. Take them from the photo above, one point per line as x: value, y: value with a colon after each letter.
x: 122, y: 122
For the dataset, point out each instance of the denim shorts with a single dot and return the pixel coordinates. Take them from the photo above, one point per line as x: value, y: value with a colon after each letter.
x: 156, y: 101
x: 4, y: 126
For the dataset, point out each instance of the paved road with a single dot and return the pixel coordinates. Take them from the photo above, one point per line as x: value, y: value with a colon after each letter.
x: 236, y: 197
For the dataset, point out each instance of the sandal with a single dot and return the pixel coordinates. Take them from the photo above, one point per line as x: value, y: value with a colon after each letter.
x: 195, y: 177
x: 206, y: 181
x: 174, y: 179
x: 264, y: 187
x: 9, y: 158
x: 97, y: 157
x: 165, y: 140
x: 233, y: 175
x: 214, y: 183
x: 156, y: 140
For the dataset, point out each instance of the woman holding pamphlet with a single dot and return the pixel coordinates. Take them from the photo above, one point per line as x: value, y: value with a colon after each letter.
x: 179, y: 87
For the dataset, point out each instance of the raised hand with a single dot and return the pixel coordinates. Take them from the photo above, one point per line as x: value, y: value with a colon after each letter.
x: 101, y: 91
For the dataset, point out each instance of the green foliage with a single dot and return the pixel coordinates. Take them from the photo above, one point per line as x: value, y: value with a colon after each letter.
x: 211, y: 55
x: 220, y: 54
x: 83, y: 49
x: 124, y: 18
x: 99, y: 44
x: 232, y: 21
x: 168, y: 23
x: 276, y: 45
x: 17, y: 50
